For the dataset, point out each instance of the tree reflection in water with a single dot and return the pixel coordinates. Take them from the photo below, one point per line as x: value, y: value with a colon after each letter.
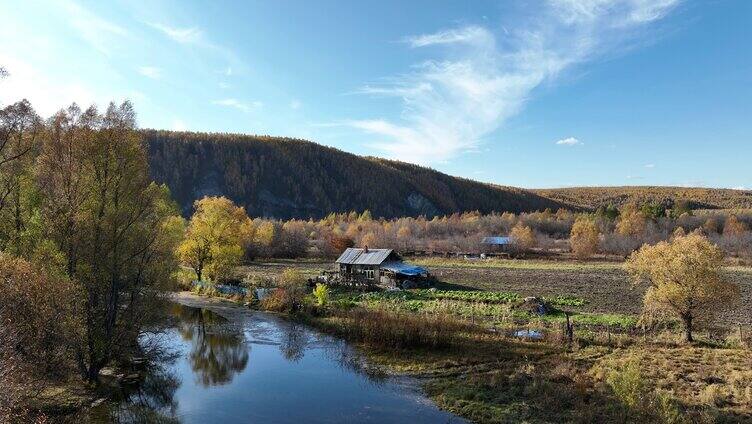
x: 294, y: 341
x: 218, y: 349
x: 152, y: 401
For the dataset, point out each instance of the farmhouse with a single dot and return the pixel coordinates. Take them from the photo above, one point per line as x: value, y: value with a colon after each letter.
x: 378, y: 266
x: 497, y: 244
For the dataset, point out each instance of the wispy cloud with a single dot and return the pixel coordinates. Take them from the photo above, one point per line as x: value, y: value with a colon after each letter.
x: 195, y: 36
x: 237, y: 104
x: 650, y: 165
x: 150, y: 72
x: 470, y: 34
x: 739, y: 188
x: 569, y: 141
x: 189, y: 35
x: 478, y: 82
x: 92, y: 28
x: 295, y: 104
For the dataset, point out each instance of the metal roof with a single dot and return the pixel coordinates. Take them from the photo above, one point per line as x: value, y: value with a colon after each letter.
x: 497, y: 240
x: 354, y: 256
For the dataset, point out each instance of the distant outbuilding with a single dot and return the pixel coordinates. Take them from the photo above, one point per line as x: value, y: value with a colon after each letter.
x: 497, y: 243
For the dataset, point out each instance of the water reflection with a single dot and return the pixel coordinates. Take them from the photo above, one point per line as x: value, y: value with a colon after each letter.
x: 294, y: 342
x: 151, y: 401
x: 218, y: 350
x: 324, y: 378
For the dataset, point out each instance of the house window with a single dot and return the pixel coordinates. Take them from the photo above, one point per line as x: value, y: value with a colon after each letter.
x: 369, y: 274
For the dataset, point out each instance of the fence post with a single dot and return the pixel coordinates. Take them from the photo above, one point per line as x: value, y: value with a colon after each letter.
x: 741, y: 335
x: 608, y: 330
x: 570, y: 330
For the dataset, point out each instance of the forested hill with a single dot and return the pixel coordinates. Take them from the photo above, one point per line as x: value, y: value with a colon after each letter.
x: 285, y: 178
x: 694, y: 197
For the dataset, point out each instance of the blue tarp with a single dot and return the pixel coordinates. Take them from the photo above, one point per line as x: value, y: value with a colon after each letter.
x: 501, y: 241
x: 404, y: 269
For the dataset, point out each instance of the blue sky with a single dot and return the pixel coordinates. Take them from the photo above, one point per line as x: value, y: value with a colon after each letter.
x: 533, y: 94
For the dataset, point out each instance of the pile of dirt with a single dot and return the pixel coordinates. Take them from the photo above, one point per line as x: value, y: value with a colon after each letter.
x: 533, y: 306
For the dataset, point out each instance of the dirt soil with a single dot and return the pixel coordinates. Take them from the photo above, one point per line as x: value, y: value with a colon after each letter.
x: 605, y: 287
x: 606, y: 290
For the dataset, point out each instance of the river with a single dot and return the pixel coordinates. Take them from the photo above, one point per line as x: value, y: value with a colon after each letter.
x: 226, y: 364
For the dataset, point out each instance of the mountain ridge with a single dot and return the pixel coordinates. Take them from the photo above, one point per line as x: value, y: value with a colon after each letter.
x: 285, y: 178
x: 291, y: 178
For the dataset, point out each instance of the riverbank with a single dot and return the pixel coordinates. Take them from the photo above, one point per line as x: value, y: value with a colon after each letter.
x: 488, y: 375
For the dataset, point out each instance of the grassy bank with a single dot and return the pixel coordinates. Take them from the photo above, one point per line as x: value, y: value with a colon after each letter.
x: 493, y: 377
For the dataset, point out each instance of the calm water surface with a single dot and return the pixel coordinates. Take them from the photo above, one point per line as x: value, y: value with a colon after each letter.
x: 234, y: 366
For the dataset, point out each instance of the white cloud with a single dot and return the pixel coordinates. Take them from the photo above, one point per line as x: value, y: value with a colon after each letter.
x: 237, y: 104
x: 569, y: 141
x: 650, y: 165
x: 295, y: 104
x: 150, y: 72
x: 93, y: 29
x: 190, y: 35
x: 450, y: 103
x: 739, y: 188
x: 47, y: 95
x: 470, y: 34
x: 194, y: 36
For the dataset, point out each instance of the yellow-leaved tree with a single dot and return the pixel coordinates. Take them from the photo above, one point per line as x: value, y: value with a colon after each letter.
x: 686, y: 280
x: 584, y: 237
x: 632, y: 221
x: 523, y: 237
x: 215, y: 238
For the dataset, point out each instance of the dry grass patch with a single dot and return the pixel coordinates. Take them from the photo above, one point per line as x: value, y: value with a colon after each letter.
x: 699, y: 377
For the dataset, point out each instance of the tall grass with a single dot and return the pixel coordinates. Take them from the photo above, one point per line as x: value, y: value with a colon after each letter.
x: 389, y: 329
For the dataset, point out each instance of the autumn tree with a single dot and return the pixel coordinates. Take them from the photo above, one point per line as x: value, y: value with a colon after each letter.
x: 404, y: 236
x: 632, y: 222
x: 20, y: 136
x: 107, y: 217
x: 523, y: 237
x: 734, y: 227
x: 369, y: 240
x: 293, y: 240
x: 584, y: 237
x: 338, y: 243
x: 215, y: 237
x: 711, y: 226
x: 685, y: 277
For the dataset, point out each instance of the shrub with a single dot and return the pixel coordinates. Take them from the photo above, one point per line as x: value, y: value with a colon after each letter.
x: 713, y: 395
x: 627, y: 383
x: 278, y: 300
x: 43, y: 312
x: 321, y: 292
x: 666, y: 408
x: 185, y: 278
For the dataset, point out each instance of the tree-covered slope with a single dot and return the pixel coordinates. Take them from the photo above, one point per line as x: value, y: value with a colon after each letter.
x: 694, y: 197
x: 284, y: 178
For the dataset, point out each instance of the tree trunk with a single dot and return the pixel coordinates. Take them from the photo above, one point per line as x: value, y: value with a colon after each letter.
x: 688, y: 329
